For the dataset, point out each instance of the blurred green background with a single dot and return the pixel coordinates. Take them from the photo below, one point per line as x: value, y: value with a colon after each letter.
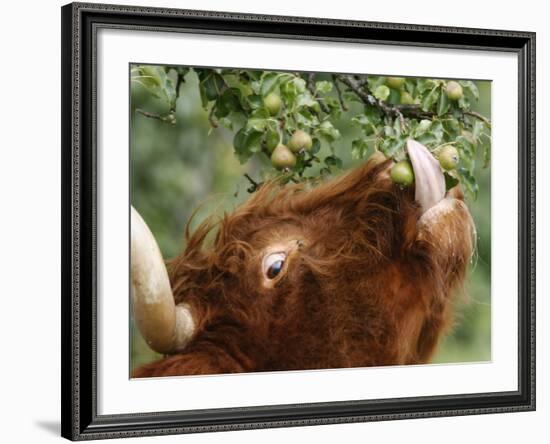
x: 176, y: 168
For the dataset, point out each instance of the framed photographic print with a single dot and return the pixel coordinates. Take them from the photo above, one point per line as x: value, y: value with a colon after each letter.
x: 280, y: 221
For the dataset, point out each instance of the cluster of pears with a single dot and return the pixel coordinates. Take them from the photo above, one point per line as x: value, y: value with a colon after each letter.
x: 284, y: 156
x: 452, y: 89
x: 397, y: 83
x: 402, y: 172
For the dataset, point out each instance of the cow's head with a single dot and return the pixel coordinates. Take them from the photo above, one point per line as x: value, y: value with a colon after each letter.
x: 354, y: 272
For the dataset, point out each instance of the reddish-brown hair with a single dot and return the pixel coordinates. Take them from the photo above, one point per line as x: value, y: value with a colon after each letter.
x: 372, y: 283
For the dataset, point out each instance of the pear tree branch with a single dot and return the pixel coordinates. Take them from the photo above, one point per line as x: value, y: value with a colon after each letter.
x: 360, y: 88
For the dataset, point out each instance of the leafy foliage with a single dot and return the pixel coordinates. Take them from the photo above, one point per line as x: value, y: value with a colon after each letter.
x: 188, y: 167
x: 387, y: 112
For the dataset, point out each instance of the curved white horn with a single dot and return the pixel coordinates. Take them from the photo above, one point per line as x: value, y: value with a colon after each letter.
x: 428, y: 177
x: 166, y: 327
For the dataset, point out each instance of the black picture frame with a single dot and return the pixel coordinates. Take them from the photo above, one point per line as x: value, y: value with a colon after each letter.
x: 79, y: 211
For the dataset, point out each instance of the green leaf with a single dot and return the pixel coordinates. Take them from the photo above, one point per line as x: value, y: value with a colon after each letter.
x: 470, y: 87
x: 226, y: 123
x: 333, y: 161
x: 334, y: 106
x: 229, y: 101
x: 148, y: 77
x: 423, y: 85
x: 397, y: 127
x: 351, y: 97
x: 305, y: 118
x: 468, y: 181
x: 254, y: 142
x: 324, y: 172
x: 260, y: 113
x: 256, y: 86
x: 466, y: 148
x: 390, y: 147
x: 394, y: 97
x: 213, y: 85
x: 388, y: 131
x: 247, y: 143
x: 450, y: 181
x: 367, y: 122
x: 255, y: 101
x: 300, y: 84
x: 305, y: 99
x: 289, y: 91
x: 327, y: 130
x: 204, y: 99
x: 374, y: 115
x: 252, y: 75
x: 469, y: 137
x: 239, y: 143
x: 410, y: 86
x: 452, y: 126
x: 323, y: 87
x: 477, y: 128
x: 270, y: 81
x: 431, y: 99
x: 427, y: 139
x: 155, y: 80
x: 271, y: 138
x: 234, y: 81
x: 316, y: 146
x: 464, y: 103
x: 374, y: 82
x: 359, y: 149
x: 220, y: 111
x: 443, y: 105
x: 360, y: 120
x: 437, y: 131
x: 423, y: 126
x: 486, y: 155
x: 256, y: 124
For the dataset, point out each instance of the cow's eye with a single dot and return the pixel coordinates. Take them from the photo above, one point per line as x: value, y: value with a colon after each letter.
x: 273, y: 264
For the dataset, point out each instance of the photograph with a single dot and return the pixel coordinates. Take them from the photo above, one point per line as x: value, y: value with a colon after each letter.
x: 278, y: 221
x: 293, y: 221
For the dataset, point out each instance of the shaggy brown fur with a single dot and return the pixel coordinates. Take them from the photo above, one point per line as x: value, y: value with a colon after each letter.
x: 369, y: 286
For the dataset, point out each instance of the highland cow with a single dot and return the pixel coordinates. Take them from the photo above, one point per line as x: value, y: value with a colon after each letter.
x: 354, y: 272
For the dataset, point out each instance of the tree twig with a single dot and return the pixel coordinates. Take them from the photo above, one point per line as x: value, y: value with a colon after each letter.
x: 361, y: 90
x: 363, y: 80
x: 253, y: 184
x: 311, y: 86
x: 484, y: 119
x: 354, y: 84
x: 399, y: 111
x: 211, y: 117
x: 154, y: 115
x: 179, y: 80
x: 339, y: 92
